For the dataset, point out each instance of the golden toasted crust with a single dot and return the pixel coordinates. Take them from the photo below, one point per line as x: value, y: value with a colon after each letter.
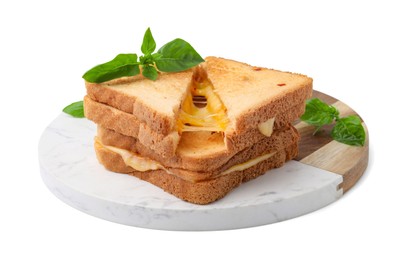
x: 202, y: 192
x: 237, y: 141
x: 202, y: 152
x: 252, y: 94
x: 154, y: 102
x: 127, y: 124
x: 166, y: 145
x: 108, y: 116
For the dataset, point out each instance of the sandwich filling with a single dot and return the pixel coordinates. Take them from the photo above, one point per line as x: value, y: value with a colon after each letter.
x: 202, y: 109
x: 143, y: 164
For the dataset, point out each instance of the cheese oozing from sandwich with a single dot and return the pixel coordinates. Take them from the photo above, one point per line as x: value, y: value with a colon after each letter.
x: 203, y: 110
x: 247, y: 164
x: 135, y: 161
x: 210, y: 115
x: 143, y: 164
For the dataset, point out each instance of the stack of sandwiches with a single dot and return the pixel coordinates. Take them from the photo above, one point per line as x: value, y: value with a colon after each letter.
x: 200, y: 133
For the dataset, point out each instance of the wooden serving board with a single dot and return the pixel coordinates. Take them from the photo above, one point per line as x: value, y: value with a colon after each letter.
x: 321, y: 151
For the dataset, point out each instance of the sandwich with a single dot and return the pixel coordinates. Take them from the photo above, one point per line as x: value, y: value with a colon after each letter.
x: 199, y: 133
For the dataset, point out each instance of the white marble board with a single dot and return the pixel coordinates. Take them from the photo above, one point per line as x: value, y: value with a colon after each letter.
x: 70, y: 170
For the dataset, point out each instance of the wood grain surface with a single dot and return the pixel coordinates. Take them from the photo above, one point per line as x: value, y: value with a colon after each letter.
x: 321, y: 151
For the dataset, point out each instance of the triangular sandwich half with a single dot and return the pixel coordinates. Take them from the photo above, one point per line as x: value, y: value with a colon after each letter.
x: 245, y: 101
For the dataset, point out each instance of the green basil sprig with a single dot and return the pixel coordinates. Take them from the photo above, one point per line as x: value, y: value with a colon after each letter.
x: 347, y: 130
x: 75, y: 109
x: 177, y: 55
x: 122, y: 65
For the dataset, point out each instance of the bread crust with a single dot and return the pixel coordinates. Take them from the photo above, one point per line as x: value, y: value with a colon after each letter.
x: 201, y: 153
x: 238, y: 141
x: 252, y: 95
x: 236, y: 83
x: 145, y: 98
x: 202, y: 192
x: 129, y: 125
x: 166, y: 145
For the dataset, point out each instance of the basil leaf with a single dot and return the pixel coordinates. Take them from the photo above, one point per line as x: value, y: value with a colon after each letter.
x: 75, y: 109
x: 150, y: 72
x: 349, y: 130
x: 177, y: 55
x: 148, y: 43
x: 156, y: 56
x: 318, y: 113
x: 121, y: 66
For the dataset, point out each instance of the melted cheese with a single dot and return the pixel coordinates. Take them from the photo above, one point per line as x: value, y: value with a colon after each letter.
x: 133, y: 160
x: 266, y: 128
x: 143, y: 164
x: 211, y: 117
x: 248, y: 164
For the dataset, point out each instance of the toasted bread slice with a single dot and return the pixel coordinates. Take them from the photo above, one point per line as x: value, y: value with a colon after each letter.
x: 200, y: 151
x: 165, y: 146
x: 154, y: 102
x: 199, y: 192
x: 252, y: 97
x: 129, y: 125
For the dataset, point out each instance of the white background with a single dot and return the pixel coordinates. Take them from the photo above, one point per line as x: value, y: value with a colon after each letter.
x: 354, y: 50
